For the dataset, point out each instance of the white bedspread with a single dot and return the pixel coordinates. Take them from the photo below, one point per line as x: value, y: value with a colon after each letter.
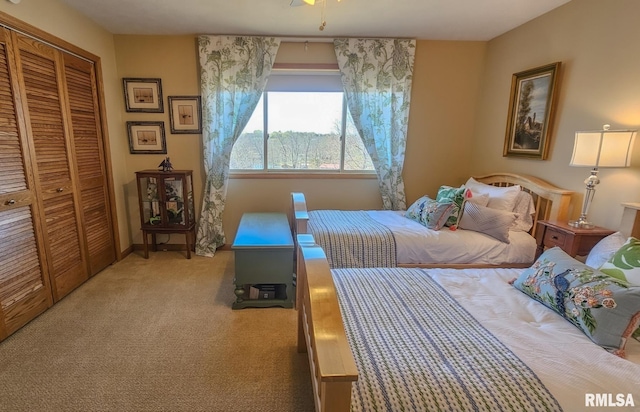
x: 566, y: 361
x: 417, y: 244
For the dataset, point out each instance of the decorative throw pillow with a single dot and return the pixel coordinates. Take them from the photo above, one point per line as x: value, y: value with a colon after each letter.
x: 625, y: 263
x: 525, y: 209
x: 493, y: 222
x: 503, y: 198
x: 455, y: 195
x: 606, y: 309
x: 604, y: 249
x: 429, y: 212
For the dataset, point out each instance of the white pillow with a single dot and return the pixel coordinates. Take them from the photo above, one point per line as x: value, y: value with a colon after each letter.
x: 502, y: 198
x: 604, y: 249
x: 477, y: 198
x: 525, y: 209
x: 492, y: 222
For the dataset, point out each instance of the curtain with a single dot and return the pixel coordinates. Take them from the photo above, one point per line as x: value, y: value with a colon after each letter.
x: 234, y: 72
x: 376, y: 76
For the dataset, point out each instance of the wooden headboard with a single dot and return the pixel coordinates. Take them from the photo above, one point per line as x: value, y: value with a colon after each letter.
x: 551, y: 202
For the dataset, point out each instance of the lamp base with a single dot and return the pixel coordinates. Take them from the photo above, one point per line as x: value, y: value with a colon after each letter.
x: 581, y: 224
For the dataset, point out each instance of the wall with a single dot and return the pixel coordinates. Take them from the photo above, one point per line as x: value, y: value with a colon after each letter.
x: 54, y: 17
x: 446, y: 85
x: 597, y: 43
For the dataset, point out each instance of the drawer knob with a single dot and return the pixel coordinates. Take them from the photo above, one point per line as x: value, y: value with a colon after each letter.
x: 11, y: 202
x: 59, y: 190
x: 554, y: 237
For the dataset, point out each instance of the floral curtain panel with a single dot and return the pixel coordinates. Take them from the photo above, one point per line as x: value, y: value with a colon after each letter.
x: 377, y: 75
x: 234, y: 70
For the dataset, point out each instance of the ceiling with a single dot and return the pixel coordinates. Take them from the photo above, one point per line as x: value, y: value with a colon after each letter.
x: 421, y: 19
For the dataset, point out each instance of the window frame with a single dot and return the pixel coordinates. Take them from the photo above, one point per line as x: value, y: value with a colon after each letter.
x: 265, y: 172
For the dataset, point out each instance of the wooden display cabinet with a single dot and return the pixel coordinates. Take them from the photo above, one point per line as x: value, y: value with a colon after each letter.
x: 166, y: 206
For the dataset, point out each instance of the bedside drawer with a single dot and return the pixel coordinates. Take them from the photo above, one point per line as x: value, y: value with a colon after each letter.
x: 554, y: 237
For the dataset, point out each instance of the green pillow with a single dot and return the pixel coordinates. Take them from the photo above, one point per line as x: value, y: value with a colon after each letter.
x: 455, y: 195
x: 625, y: 263
x: 429, y: 212
x: 604, y: 308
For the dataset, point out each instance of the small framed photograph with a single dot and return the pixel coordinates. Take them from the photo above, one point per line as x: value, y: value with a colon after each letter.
x: 531, y: 109
x: 147, y: 138
x: 185, y: 113
x: 143, y: 95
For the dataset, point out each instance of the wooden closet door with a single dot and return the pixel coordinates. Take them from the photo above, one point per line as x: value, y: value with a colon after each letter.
x: 90, y: 161
x: 24, y: 282
x: 40, y: 69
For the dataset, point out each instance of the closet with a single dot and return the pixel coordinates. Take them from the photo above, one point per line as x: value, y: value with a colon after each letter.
x: 56, y: 219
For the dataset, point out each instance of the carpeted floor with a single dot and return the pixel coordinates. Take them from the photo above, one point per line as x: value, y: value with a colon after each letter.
x: 156, y: 335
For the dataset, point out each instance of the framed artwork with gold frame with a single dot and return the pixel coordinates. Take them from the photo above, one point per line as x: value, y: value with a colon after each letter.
x: 531, y: 110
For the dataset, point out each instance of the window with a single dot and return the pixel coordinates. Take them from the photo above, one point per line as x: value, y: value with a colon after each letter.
x: 305, y: 117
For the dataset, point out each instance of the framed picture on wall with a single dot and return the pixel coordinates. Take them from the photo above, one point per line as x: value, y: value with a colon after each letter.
x: 531, y: 109
x: 185, y: 114
x: 143, y: 95
x: 146, y: 138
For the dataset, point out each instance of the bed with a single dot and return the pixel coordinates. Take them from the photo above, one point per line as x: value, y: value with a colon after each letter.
x: 378, y: 238
x: 447, y: 339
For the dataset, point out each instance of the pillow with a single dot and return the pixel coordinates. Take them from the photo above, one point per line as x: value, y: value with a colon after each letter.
x: 429, y: 212
x: 604, y: 249
x: 455, y: 195
x: 492, y: 222
x: 477, y: 198
x: 525, y: 209
x: 606, y: 309
x: 625, y: 262
x: 503, y: 198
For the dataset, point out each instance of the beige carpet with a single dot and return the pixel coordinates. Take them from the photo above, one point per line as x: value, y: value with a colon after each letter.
x: 156, y: 335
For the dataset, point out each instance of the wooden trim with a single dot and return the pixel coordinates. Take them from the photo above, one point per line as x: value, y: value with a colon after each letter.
x: 107, y: 159
x: 301, y: 175
x: 27, y: 29
x: 306, y: 66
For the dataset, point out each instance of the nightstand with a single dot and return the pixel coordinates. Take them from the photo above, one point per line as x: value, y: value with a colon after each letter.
x: 573, y: 240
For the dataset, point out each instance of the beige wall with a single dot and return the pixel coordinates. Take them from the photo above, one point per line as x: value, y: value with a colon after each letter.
x: 54, y: 17
x: 446, y: 84
x: 458, y: 114
x: 597, y: 43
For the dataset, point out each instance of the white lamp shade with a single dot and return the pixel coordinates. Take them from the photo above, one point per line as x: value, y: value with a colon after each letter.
x: 604, y: 148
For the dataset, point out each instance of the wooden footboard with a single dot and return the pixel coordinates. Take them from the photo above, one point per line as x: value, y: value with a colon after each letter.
x: 321, y: 332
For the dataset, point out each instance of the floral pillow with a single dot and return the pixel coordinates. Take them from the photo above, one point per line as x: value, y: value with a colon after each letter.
x: 429, y: 212
x: 606, y: 309
x: 455, y: 195
x: 625, y: 263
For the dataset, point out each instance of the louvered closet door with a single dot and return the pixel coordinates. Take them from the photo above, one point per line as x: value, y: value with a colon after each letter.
x: 89, y: 157
x: 41, y: 73
x: 24, y: 283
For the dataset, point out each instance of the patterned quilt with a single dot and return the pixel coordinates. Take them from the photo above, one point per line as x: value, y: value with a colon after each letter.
x: 421, y: 351
x: 352, y: 239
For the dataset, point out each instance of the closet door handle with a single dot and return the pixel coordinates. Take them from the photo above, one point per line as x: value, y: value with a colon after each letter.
x: 59, y: 190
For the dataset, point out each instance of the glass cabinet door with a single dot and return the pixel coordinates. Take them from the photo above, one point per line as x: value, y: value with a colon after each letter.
x: 174, y: 200
x: 150, y: 200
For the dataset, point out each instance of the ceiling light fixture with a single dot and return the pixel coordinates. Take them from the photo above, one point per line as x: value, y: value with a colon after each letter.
x: 323, y: 22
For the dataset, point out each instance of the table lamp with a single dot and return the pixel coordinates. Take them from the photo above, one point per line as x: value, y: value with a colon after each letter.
x: 601, y: 148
